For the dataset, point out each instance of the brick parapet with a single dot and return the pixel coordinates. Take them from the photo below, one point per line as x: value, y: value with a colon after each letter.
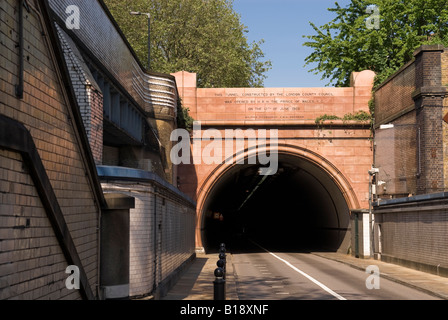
x: 413, y: 232
x: 101, y: 37
x: 413, y: 100
x: 88, y: 95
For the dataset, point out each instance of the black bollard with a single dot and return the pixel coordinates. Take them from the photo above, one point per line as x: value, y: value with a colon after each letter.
x: 222, y: 256
x: 219, y: 285
x: 222, y: 264
x: 222, y: 248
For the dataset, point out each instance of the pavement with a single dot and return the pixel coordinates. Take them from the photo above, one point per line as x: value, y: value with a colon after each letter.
x: 196, y: 282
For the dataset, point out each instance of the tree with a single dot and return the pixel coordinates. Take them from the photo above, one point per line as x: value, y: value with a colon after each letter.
x: 199, y: 36
x: 351, y: 42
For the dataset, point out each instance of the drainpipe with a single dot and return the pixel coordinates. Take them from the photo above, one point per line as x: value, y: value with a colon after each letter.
x: 154, y: 286
x: 19, y: 86
x: 356, y: 236
x: 419, y: 164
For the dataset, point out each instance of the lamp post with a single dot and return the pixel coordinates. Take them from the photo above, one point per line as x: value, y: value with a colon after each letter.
x: 137, y: 13
x: 372, y: 173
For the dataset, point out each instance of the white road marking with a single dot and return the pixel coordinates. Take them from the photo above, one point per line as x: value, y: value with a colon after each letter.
x: 304, y: 274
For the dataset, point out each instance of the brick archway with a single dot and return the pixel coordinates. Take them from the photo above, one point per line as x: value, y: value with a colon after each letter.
x: 317, y: 129
x: 313, y: 158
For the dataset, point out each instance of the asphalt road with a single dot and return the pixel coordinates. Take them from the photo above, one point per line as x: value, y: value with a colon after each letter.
x: 274, y: 275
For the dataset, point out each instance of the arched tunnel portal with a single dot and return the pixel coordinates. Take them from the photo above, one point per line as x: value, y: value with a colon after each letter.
x: 304, y: 206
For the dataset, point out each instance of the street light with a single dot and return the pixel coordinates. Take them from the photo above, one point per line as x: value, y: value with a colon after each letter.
x: 137, y: 13
x: 372, y: 182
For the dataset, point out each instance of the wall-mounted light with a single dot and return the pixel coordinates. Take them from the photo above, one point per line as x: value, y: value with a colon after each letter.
x: 387, y: 126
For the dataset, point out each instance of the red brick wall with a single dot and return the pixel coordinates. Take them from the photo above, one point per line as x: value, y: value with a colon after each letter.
x: 444, y: 60
x: 413, y: 100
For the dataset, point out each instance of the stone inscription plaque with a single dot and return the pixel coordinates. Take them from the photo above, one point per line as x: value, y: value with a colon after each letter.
x: 272, y: 103
x: 282, y: 105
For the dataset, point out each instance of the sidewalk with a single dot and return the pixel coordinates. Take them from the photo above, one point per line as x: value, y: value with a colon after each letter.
x: 197, y: 281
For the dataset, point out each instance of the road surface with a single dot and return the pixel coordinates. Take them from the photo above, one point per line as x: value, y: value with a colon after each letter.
x: 265, y: 275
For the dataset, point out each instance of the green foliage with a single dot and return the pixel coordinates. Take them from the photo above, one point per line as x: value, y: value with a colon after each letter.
x: 372, y: 106
x: 346, y: 44
x: 357, y: 116
x: 199, y: 36
x: 184, y: 120
x: 322, y: 118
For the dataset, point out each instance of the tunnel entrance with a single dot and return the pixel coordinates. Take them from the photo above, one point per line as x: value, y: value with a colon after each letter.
x: 300, y: 208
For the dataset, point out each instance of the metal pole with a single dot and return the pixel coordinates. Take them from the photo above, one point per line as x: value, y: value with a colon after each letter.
x: 370, y: 217
x: 149, y: 41
x: 136, y: 13
x: 372, y: 172
x: 356, y: 236
x: 19, y: 86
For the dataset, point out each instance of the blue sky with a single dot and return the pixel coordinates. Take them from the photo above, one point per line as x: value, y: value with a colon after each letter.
x: 281, y: 23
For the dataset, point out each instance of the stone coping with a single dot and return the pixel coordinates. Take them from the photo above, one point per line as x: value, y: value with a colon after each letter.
x: 124, y: 173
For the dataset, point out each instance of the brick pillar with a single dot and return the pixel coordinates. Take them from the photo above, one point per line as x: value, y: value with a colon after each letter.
x: 428, y: 98
x: 186, y: 173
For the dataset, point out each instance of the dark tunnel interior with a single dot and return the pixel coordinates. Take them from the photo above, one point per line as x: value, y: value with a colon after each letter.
x: 300, y: 208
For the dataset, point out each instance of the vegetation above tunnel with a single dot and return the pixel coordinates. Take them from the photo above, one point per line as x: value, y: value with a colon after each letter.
x: 348, y: 43
x: 357, y: 116
x: 205, y: 37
